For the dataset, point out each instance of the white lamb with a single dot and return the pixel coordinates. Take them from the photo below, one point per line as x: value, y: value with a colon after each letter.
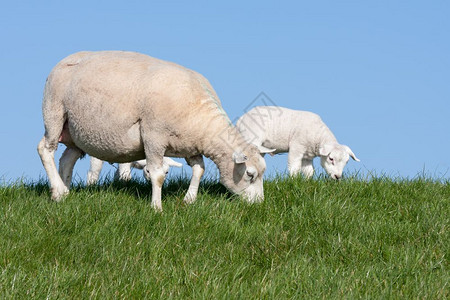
x: 123, y: 171
x: 303, y: 134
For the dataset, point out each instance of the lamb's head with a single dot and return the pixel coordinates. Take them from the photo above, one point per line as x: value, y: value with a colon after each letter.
x: 167, y: 163
x: 334, y: 157
x: 242, y: 173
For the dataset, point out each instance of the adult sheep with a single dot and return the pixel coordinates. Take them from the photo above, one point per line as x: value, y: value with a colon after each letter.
x: 124, y: 106
x: 301, y: 133
x: 123, y: 171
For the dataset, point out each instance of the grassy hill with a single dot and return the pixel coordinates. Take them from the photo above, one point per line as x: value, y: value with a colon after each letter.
x: 308, y: 239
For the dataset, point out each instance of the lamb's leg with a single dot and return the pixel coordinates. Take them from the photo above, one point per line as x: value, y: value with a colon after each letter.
x: 307, y: 168
x: 123, y: 172
x: 66, y: 164
x: 294, y: 163
x: 198, y: 168
x: 94, y: 170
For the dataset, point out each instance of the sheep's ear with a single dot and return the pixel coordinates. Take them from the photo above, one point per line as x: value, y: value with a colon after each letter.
x: 350, y: 152
x: 239, y: 157
x: 324, y: 150
x: 264, y: 150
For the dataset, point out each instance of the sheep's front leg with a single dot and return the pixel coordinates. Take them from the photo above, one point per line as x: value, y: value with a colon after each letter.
x: 154, y: 148
x: 66, y: 164
x: 154, y: 171
x: 198, y: 168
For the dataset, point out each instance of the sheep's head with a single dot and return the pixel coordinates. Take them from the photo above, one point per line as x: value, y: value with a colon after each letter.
x: 243, y: 173
x: 334, y: 157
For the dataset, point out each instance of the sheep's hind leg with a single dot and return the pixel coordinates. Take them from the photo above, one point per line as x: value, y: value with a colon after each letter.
x: 198, y: 168
x: 67, y: 162
x: 46, y: 149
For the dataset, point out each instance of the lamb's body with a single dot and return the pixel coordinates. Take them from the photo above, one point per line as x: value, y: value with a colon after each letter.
x: 125, y: 106
x: 301, y: 133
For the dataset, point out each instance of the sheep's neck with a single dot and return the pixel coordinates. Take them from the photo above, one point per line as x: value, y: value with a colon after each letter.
x: 221, y: 144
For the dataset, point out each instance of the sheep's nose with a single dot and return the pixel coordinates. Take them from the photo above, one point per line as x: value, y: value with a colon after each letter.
x: 337, y: 177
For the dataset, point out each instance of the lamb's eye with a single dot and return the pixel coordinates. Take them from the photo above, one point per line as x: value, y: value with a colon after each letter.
x: 331, y: 159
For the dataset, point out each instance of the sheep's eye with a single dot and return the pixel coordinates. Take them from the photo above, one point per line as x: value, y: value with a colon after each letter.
x: 331, y: 159
x: 251, y: 176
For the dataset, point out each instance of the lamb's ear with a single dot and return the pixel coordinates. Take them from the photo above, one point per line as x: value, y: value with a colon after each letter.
x: 324, y: 150
x: 264, y: 150
x: 140, y: 164
x: 175, y: 164
x: 350, y: 152
x: 171, y: 163
x: 239, y: 157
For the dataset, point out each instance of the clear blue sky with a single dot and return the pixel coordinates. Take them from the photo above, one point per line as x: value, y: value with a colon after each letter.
x: 378, y: 72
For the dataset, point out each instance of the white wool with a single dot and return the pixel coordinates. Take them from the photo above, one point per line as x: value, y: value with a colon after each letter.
x: 300, y: 133
x: 124, y: 106
x: 123, y: 171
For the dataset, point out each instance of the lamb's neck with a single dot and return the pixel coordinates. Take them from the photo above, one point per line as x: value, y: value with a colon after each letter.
x: 325, y: 137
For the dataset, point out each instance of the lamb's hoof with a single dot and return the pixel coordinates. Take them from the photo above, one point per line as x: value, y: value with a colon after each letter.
x: 124, y: 177
x: 91, y: 179
x: 59, y: 194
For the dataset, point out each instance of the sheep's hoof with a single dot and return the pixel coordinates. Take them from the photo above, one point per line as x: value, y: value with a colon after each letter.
x: 58, y: 194
x: 252, y: 200
x: 158, y: 208
x: 189, y: 198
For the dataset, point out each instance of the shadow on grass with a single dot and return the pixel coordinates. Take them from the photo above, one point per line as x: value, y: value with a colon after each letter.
x: 141, y: 189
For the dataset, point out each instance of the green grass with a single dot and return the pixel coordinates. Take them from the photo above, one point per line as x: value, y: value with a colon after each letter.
x: 380, y: 238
